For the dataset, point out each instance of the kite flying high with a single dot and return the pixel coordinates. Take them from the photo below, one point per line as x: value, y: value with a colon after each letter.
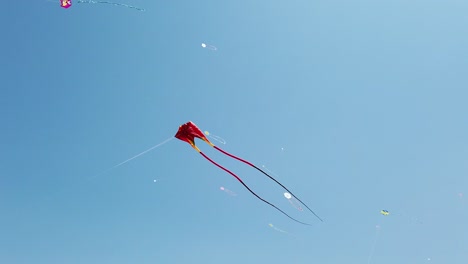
x: 384, y: 212
x: 189, y: 131
x: 68, y: 3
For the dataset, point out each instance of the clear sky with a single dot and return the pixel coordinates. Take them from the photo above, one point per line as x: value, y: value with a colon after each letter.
x: 356, y: 106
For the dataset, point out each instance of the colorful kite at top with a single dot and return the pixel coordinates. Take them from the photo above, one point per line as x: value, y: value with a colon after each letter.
x: 189, y: 131
x: 65, y: 3
x: 68, y: 3
x: 384, y: 212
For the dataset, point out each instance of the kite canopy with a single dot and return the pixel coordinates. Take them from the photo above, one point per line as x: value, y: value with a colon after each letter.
x: 188, y: 132
x: 384, y: 212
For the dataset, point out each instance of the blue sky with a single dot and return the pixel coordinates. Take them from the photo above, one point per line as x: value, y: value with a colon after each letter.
x: 356, y: 106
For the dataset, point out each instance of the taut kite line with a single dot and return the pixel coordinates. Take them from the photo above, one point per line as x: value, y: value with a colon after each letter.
x: 189, y: 131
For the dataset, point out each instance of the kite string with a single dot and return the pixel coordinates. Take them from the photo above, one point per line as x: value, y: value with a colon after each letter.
x: 252, y: 192
x: 369, y: 258
x: 284, y: 187
x: 50, y: 195
x: 136, y: 156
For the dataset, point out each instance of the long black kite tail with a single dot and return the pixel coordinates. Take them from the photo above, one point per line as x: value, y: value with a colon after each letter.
x: 288, y: 191
x: 252, y: 192
x: 284, y: 187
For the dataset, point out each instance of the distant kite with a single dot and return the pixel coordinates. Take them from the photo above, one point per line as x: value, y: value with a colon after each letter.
x: 227, y: 191
x: 214, y: 137
x: 384, y: 212
x: 293, y: 201
x: 208, y: 46
x: 277, y: 229
x: 189, y: 131
x: 68, y: 3
x: 65, y: 3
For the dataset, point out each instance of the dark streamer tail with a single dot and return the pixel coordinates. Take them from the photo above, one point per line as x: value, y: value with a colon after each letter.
x: 284, y: 187
x: 252, y: 192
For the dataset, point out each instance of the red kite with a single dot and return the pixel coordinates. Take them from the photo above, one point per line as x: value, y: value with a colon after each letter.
x: 189, y: 131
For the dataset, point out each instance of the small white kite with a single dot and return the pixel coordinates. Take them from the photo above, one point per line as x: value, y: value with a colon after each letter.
x: 208, y: 46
